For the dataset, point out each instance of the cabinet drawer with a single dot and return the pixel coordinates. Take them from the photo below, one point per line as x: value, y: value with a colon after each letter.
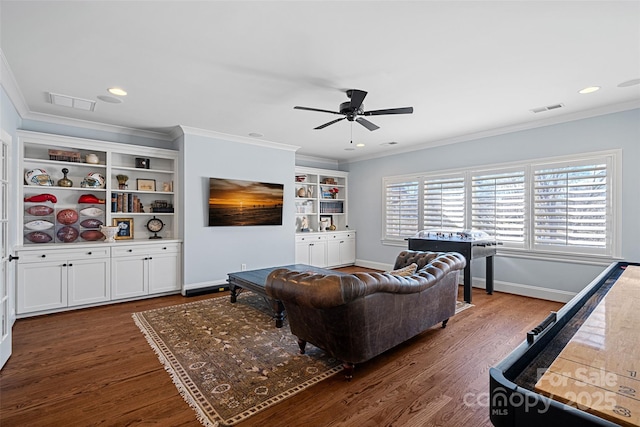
x: 342, y: 235
x: 310, y: 238
x: 128, y: 250
x: 62, y: 254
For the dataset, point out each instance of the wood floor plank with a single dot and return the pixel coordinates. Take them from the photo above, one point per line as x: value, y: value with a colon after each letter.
x: 94, y: 367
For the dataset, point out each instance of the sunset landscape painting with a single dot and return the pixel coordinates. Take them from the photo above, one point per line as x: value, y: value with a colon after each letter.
x: 234, y: 202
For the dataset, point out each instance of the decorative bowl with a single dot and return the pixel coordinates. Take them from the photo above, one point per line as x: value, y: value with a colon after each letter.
x: 109, y: 232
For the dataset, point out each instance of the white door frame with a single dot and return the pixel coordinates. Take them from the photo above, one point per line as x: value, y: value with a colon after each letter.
x: 7, y: 270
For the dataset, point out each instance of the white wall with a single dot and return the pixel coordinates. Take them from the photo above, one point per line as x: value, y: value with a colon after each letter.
x: 212, y: 252
x: 612, y: 131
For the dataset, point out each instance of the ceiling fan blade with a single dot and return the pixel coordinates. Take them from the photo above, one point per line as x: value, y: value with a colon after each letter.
x: 367, y: 124
x: 330, y: 123
x: 405, y: 110
x: 315, y: 109
x: 357, y: 97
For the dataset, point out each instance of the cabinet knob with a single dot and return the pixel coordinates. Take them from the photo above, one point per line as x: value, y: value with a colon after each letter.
x: 164, y: 249
x: 43, y: 256
x: 88, y: 253
x: 311, y: 244
x: 150, y: 257
x: 70, y: 265
x: 64, y: 265
x: 129, y: 250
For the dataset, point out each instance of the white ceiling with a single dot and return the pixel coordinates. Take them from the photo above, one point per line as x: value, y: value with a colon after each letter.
x: 239, y: 67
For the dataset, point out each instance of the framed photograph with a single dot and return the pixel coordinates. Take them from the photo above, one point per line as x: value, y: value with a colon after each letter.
x: 146, y: 184
x: 126, y: 228
x: 328, y: 219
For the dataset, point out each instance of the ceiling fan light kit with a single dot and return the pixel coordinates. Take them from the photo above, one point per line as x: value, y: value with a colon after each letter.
x: 353, y: 110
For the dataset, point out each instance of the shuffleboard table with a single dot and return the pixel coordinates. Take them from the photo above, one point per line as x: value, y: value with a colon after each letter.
x: 581, y: 365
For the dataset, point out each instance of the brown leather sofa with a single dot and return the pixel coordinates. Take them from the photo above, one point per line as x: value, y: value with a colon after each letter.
x: 355, y: 317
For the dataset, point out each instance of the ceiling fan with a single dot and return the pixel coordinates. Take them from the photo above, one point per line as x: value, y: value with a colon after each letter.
x: 353, y: 110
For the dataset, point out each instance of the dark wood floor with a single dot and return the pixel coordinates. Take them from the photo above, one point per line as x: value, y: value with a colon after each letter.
x: 94, y: 367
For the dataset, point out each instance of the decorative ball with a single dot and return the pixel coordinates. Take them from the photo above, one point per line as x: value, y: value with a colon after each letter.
x: 67, y: 217
x: 91, y: 235
x: 38, y: 237
x: 91, y: 223
x: 67, y: 234
x: 39, y: 210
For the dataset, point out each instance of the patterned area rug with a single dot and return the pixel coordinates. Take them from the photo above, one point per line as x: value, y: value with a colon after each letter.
x: 229, y: 361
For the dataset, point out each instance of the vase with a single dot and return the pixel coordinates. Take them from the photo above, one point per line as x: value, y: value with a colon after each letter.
x: 334, y: 195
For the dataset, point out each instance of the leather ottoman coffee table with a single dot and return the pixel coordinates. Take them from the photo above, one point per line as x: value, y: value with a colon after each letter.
x: 254, y: 280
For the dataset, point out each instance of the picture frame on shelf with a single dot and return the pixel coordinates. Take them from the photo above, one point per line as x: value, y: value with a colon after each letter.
x: 126, y: 228
x: 326, y: 219
x: 146, y: 184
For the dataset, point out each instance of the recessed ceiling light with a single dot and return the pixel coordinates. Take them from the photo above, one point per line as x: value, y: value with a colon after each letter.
x: 256, y: 134
x: 589, y: 89
x: 630, y: 83
x: 117, y: 91
x: 110, y: 99
x: 360, y: 144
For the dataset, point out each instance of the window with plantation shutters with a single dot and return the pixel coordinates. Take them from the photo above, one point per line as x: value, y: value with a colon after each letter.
x: 572, y: 207
x: 562, y: 205
x: 402, y: 210
x: 498, y: 205
x: 444, y: 203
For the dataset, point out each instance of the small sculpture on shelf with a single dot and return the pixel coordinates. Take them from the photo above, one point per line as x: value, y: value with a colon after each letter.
x: 304, y: 224
x: 64, y: 181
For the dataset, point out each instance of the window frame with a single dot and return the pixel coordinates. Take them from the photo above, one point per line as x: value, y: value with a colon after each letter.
x: 528, y: 248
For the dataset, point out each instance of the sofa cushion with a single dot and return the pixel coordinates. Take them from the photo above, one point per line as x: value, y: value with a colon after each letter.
x: 409, y: 270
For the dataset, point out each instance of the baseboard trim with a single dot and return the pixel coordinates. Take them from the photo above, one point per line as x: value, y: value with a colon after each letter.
x: 373, y: 265
x: 526, y: 290
x: 201, y: 288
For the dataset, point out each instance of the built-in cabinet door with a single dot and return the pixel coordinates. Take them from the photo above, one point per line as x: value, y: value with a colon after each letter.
x: 302, y: 253
x: 318, y: 253
x: 348, y: 251
x: 128, y: 277
x: 89, y: 281
x: 43, y: 286
x: 333, y: 253
x: 163, y: 273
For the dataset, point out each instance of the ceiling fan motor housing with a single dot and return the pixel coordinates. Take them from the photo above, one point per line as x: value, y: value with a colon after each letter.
x: 345, y: 108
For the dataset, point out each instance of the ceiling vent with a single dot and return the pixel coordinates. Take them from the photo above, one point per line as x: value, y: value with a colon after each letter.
x: 70, y: 101
x: 547, y: 108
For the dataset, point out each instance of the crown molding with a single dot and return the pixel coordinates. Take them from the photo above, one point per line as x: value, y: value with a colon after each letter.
x: 559, y: 119
x: 312, y: 159
x: 10, y: 85
x: 186, y: 130
x: 97, y: 126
